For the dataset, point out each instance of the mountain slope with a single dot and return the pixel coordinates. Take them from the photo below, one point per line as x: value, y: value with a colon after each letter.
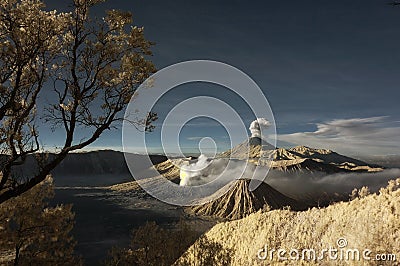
x: 370, y: 222
x: 251, y: 148
x: 168, y: 169
x: 302, y: 157
x: 94, y: 168
x: 239, y: 201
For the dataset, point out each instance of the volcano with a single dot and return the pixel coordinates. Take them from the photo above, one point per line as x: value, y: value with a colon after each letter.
x: 239, y: 201
x: 251, y: 148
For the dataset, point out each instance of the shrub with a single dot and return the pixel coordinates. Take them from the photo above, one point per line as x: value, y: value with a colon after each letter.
x: 32, y: 233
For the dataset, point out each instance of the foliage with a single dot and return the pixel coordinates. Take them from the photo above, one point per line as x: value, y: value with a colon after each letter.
x: 359, y: 193
x: 205, y: 252
x: 32, y: 233
x: 92, y: 65
x: 154, y: 245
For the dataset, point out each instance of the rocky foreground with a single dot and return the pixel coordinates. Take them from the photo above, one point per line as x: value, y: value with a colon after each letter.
x: 367, y: 222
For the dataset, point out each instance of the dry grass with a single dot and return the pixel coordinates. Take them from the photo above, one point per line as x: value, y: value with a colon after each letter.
x: 367, y: 222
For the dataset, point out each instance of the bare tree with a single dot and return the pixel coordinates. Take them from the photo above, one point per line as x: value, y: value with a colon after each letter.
x: 93, y: 67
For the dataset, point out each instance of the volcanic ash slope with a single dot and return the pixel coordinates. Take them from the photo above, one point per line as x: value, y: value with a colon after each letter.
x: 239, y: 201
x: 168, y: 169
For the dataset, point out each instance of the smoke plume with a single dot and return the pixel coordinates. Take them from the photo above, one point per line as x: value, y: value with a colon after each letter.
x: 257, y: 125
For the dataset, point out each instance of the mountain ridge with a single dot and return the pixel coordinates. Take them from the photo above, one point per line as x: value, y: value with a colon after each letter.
x: 297, y: 158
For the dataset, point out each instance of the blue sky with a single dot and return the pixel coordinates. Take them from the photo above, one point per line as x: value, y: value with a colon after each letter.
x: 330, y: 69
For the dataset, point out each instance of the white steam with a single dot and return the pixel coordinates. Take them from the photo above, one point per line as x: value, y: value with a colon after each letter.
x: 257, y: 125
x: 220, y: 170
x: 192, y: 174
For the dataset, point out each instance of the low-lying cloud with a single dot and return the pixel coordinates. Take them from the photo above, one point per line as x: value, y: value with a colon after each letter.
x: 300, y: 184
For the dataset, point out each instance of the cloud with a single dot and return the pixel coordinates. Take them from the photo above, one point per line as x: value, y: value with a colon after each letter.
x: 300, y: 184
x: 194, y: 138
x: 356, y: 136
x: 257, y: 125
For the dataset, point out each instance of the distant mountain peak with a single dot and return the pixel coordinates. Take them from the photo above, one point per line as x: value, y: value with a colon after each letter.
x: 250, y: 148
x: 308, y: 150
